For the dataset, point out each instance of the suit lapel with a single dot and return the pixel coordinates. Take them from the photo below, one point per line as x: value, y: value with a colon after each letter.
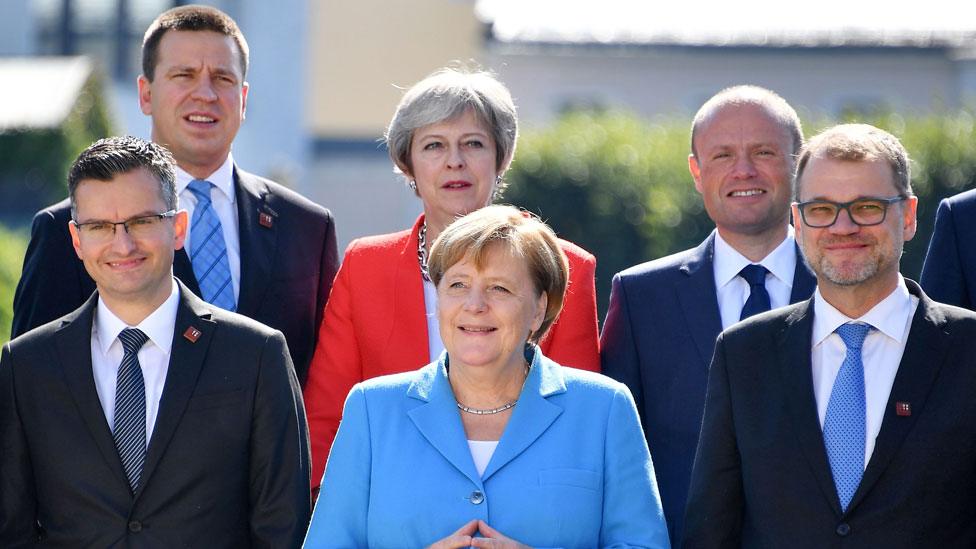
x: 73, y: 342
x: 408, y: 329
x: 797, y: 374
x: 183, y: 270
x: 186, y: 360
x: 533, y: 414
x: 438, y: 420
x: 258, y: 229
x: 804, y: 281
x: 925, y: 351
x: 698, y: 299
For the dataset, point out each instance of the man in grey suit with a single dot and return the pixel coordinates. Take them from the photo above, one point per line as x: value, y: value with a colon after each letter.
x: 846, y: 420
x: 664, y: 315
x: 147, y: 417
x: 253, y: 246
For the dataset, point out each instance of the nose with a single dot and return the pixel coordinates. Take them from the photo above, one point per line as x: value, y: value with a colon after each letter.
x: 844, y: 224
x: 454, y: 158
x: 475, y: 301
x: 744, y: 167
x: 122, y: 242
x: 204, y: 89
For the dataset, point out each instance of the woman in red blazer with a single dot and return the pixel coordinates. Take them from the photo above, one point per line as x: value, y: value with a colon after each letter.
x: 452, y: 137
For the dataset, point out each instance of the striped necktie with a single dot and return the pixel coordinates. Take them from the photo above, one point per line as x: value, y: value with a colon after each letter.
x: 130, y: 407
x: 208, y: 251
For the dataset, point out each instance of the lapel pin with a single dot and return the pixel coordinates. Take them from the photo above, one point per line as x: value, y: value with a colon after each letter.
x: 266, y: 220
x: 903, y: 409
x: 192, y: 334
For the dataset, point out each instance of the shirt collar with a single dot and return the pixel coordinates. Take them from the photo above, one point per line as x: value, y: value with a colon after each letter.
x: 223, y: 179
x: 888, y: 316
x: 159, y: 325
x: 781, y: 262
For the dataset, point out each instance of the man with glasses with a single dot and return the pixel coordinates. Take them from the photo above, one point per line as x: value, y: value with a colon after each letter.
x: 252, y: 246
x: 665, y: 314
x: 147, y: 417
x: 846, y: 420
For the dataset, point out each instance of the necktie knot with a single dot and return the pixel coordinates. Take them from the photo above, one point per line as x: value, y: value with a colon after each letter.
x: 755, y: 275
x: 132, y: 340
x: 853, y: 334
x: 200, y: 189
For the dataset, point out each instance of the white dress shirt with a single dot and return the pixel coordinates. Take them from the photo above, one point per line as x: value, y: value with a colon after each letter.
x: 106, y: 354
x: 732, y: 290
x: 881, y: 353
x: 481, y: 452
x: 225, y: 205
x: 434, y: 343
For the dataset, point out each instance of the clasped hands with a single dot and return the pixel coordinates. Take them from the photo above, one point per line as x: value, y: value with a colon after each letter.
x: 465, y: 537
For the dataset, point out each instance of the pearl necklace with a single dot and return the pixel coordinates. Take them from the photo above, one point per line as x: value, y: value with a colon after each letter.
x: 480, y: 412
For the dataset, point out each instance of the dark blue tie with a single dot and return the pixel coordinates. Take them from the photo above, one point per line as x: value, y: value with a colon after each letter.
x: 208, y: 251
x: 758, y: 301
x: 844, y: 427
x: 130, y: 407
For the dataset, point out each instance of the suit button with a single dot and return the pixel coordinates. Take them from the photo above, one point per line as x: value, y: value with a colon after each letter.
x: 135, y: 526
x: 843, y: 529
x: 477, y: 497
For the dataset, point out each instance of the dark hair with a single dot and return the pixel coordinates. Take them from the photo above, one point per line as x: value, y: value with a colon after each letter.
x: 108, y: 158
x: 190, y: 18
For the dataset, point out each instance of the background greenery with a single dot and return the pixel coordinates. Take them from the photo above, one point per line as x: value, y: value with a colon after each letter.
x: 618, y: 185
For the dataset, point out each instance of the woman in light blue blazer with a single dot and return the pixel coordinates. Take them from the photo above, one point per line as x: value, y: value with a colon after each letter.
x: 493, y: 445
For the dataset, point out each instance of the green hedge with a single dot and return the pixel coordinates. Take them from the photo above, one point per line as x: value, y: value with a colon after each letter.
x: 13, y: 244
x: 619, y: 186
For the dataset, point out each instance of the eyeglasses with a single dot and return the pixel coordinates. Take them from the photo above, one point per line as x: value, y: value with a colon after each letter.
x: 864, y: 212
x: 136, y: 227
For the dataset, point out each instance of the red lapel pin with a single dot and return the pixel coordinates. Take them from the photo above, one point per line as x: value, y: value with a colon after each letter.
x: 265, y: 219
x: 903, y: 409
x: 192, y: 334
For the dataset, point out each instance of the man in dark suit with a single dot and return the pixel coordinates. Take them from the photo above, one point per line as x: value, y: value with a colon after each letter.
x: 847, y: 420
x: 949, y: 272
x: 147, y: 417
x: 275, y: 251
x: 664, y: 315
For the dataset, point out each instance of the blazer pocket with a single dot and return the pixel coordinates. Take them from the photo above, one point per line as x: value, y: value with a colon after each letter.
x: 215, y: 400
x: 579, y: 478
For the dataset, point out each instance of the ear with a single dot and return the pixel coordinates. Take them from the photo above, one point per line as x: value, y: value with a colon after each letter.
x: 179, y: 229
x: 145, y: 94
x: 695, y: 170
x: 909, y: 218
x: 244, y: 88
x: 540, y: 311
x: 797, y: 222
x: 75, y: 241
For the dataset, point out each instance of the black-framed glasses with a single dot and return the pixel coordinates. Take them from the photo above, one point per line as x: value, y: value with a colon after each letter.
x: 136, y: 227
x: 864, y: 212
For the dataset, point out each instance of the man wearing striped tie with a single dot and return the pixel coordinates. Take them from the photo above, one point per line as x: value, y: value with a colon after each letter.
x: 847, y: 420
x: 147, y: 417
x: 252, y: 245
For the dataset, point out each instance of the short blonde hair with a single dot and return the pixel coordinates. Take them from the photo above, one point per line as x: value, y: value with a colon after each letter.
x: 522, y: 234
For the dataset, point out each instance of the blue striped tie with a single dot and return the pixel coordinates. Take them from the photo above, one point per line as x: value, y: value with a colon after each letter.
x: 130, y: 407
x: 208, y: 251
x: 844, y: 427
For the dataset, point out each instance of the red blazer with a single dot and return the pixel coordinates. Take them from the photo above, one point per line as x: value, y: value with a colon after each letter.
x: 375, y: 325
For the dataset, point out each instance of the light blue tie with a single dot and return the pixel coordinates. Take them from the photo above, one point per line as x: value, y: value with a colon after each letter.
x: 844, y: 428
x: 208, y: 251
x: 129, y: 430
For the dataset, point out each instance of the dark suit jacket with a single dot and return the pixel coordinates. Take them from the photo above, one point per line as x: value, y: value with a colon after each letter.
x: 949, y: 272
x: 762, y: 478
x: 286, y: 268
x: 658, y: 339
x: 227, y: 465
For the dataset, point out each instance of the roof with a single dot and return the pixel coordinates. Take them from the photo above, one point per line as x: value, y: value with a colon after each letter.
x: 40, y: 92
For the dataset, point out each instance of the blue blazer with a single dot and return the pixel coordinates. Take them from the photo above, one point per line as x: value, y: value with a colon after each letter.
x: 949, y: 272
x: 658, y: 339
x: 571, y: 469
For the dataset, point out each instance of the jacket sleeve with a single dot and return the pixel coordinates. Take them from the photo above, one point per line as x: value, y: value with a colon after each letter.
x: 327, y: 273
x: 341, y: 512
x: 713, y: 515
x: 618, y: 351
x: 632, y: 512
x: 574, y: 339
x: 280, y: 504
x: 942, y: 273
x: 18, y: 499
x: 336, y: 366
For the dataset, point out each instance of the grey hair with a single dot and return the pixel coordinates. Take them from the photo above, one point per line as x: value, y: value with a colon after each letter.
x: 445, y: 95
x: 770, y: 101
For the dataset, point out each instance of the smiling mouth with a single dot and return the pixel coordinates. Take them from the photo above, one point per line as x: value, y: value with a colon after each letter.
x: 126, y: 264
x: 199, y: 118
x: 747, y: 192
x: 476, y: 329
x: 456, y: 185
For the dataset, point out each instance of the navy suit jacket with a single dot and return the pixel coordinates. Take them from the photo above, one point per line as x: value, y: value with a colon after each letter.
x: 658, y: 339
x: 227, y: 465
x: 762, y: 477
x: 288, y: 260
x: 949, y: 272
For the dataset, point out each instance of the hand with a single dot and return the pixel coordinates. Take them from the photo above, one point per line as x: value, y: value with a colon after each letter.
x: 459, y: 539
x: 494, y: 539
